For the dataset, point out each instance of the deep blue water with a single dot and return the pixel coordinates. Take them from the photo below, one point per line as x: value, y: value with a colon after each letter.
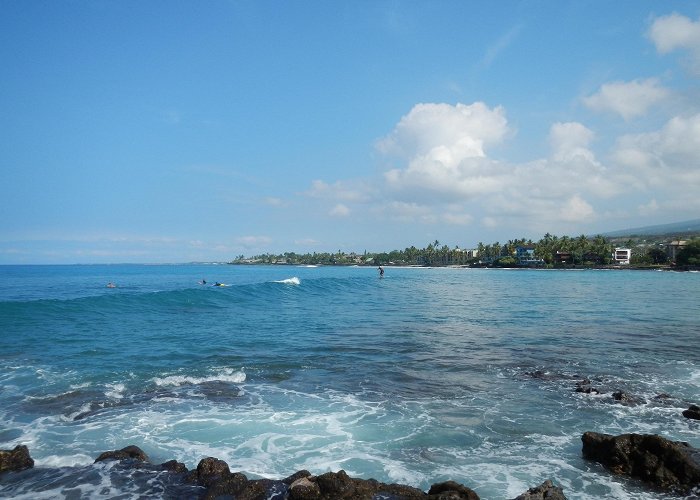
x: 419, y: 377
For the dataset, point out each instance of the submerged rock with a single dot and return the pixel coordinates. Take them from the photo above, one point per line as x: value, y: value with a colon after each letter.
x: 545, y: 491
x: 665, y: 464
x: 585, y: 387
x: 15, y: 460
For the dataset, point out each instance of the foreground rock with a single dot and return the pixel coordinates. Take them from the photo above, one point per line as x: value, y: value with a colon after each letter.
x: 212, y: 479
x: 15, y: 460
x: 545, y: 491
x: 667, y: 465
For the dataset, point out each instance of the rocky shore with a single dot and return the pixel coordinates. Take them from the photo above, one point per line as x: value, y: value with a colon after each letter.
x: 664, y: 465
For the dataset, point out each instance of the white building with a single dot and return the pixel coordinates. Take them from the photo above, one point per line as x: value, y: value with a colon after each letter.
x: 622, y: 255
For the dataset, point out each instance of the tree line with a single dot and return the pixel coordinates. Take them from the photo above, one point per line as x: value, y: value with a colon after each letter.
x: 578, y: 251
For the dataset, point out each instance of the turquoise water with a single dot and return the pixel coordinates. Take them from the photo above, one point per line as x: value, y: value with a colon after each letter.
x: 419, y: 377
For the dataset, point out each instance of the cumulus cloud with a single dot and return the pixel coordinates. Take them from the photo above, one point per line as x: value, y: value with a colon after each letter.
x: 444, y: 146
x: 570, y: 140
x: 446, y: 133
x: 665, y: 158
x: 677, y: 32
x: 628, y: 99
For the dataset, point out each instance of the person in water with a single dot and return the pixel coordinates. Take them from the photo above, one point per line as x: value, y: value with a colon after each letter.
x: 381, y: 272
x: 111, y: 285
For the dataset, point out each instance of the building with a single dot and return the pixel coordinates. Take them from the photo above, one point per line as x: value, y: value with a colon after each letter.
x: 673, y: 248
x: 622, y: 256
x: 525, y: 255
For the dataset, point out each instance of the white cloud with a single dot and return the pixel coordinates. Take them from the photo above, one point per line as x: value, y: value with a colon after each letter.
x: 675, y: 31
x: 628, y: 99
x: 445, y: 149
x: 570, y: 140
x: 339, y: 210
x: 446, y: 133
x: 665, y: 158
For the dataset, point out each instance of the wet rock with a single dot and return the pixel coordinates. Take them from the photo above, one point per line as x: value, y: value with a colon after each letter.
x: 128, y: 453
x: 238, y: 486
x: 304, y: 489
x: 209, y: 471
x: 627, y: 399
x: 665, y: 464
x: 545, y: 491
x: 693, y: 412
x: 16, y: 459
x: 451, y: 490
x: 338, y: 484
x: 585, y: 387
x: 174, y: 466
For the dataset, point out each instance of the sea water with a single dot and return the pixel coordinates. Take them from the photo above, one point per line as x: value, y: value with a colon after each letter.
x: 422, y: 376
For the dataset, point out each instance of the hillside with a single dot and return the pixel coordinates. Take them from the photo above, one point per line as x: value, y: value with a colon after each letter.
x: 681, y: 230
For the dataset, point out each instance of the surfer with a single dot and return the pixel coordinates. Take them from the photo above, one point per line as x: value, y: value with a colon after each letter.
x: 111, y: 285
x: 381, y: 272
x: 203, y: 282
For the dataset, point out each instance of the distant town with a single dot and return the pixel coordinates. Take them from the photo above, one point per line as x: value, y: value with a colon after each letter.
x: 676, y: 250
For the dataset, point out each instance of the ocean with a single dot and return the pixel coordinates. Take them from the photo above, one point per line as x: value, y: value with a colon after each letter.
x: 425, y: 375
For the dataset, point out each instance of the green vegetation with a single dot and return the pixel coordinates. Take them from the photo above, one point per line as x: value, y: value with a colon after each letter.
x: 551, y: 251
x: 690, y: 254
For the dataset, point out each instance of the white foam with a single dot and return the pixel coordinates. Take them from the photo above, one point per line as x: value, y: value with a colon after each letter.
x: 226, y: 375
x: 290, y: 281
x: 115, y: 391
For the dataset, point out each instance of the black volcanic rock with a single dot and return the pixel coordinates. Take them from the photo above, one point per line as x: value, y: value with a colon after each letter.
x: 545, y: 491
x: 665, y: 464
x: 693, y: 412
x: 15, y: 460
x: 128, y: 453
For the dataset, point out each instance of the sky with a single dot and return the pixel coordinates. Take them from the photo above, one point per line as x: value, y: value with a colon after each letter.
x: 181, y: 131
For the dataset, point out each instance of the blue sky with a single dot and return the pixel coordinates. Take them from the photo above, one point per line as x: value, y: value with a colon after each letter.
x: 171, y: 131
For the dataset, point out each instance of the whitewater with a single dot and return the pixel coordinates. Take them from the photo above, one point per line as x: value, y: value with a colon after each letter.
x: 422, y: 376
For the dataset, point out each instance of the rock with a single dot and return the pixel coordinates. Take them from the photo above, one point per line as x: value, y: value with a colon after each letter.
x: 238, y: 486
x: 665, y: 464
x: 336, y: 484
x: 451, y: 490
x: 304, y: 489
x: 545, y: 491
x: 627, y: 399
x: 693, y: 412
x: 15, y: 460
x: 584, y: 386
x: 209, y: 471
x: 129, y: 453
x: 174, y: 466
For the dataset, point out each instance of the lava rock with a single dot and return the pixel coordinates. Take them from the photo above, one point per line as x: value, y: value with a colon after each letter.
x: 128, y: 453
x: 665, y: 464
x: 16, y: 459
x: 693, y: 412
x: 545, y: 491
x: 451, y: 490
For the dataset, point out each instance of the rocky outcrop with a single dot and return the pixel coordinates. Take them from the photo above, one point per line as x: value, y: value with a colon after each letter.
x: 693, y: 412
x: 212, y: 479
x: 545, y: 491
x: 128, y: 453
x: 667, y: 465
x: 16, y: 459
